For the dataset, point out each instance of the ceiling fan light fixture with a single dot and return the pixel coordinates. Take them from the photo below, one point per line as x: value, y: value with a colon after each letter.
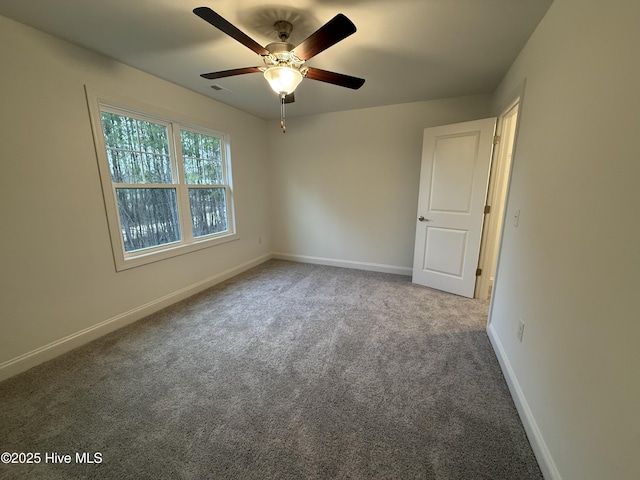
x: 283, y: 79
x: 284, y: 68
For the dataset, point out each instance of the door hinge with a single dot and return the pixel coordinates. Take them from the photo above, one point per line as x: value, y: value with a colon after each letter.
x: 487, y: 209
x: 496, y: 139
x: 478, y: 272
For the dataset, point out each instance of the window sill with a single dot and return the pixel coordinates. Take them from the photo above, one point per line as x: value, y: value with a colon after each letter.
x: 143, y: 258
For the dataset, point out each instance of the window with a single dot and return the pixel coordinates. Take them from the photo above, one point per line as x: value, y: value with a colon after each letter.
x: 166, y: 183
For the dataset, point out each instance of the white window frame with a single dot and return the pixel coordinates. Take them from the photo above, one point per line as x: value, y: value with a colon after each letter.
x: 99, y: 102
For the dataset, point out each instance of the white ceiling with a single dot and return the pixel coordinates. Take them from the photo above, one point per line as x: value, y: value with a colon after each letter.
x: 407, y: 50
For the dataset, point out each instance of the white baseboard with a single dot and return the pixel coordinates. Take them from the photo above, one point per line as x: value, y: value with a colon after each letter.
x: 35, y: 357
x: 47, y: 352
x: 539, y: 446
x: 334, y: 262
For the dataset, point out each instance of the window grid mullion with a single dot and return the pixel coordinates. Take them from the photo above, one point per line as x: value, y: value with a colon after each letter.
x: 223, y: 160
x: 183, y: 191
x: 144, y: 185
x: 206, y: 185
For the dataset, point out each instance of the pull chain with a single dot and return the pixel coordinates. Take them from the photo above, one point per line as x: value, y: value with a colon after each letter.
x: 282, y: 125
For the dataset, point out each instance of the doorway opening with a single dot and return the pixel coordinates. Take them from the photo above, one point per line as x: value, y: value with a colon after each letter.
x: 496, y: 200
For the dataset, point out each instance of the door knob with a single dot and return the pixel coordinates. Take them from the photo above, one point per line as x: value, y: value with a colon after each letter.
x: 422, y: 219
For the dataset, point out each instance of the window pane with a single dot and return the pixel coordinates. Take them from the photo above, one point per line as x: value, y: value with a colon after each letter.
x: 138, y: 150
x: 124, y: 165
x: 153, y: 137
x: 149, y: 217
x: 120, y: 131
x: 202, y: 158
x: 156, y: 168
x: 208, y: 210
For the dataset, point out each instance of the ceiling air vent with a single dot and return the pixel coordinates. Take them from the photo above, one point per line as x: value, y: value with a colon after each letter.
x: 221, y: 90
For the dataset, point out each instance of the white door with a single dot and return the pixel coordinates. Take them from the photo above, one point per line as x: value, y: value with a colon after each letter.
x: 453, y: 187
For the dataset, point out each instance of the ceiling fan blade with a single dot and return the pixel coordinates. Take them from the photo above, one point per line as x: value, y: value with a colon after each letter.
x: 220, y: 23
x: 290, y: 98
x: 230, y: 73
x: 336, y: 29
x: 335, y: 78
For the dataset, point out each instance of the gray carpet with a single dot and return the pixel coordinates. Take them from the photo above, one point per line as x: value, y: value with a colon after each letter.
x: 288, y: 371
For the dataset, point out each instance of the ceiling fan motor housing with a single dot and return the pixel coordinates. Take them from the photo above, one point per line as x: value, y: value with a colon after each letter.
x: 282, y: 55
x: 279, y: 48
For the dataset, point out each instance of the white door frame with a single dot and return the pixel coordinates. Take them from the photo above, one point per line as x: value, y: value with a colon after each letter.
x: 517, y: 95
x: 496, y: 200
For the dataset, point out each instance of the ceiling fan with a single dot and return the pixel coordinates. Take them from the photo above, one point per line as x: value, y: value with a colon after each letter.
x: 284, y: 65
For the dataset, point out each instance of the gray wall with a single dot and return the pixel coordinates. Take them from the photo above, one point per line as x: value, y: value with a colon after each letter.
x: 58, y: 276
x: 570, y: 269
x: 345, y: 184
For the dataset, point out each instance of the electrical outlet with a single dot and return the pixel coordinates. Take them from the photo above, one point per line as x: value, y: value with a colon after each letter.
x: 520, y: 331
x: 259, y: 239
